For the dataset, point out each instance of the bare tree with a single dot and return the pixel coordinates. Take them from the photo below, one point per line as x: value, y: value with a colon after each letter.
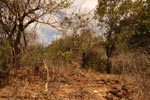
x: 17, y: 15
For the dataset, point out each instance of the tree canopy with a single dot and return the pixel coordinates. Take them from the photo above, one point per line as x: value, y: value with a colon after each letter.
x: 17, y: 15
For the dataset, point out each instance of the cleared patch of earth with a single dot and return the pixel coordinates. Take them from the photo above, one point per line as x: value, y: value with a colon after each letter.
x: 68, y: 85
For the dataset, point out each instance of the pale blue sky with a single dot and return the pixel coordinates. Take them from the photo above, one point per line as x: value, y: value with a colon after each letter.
x: 46, y: 34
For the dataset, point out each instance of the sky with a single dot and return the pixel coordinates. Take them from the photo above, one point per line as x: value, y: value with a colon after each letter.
x: 46, y: 34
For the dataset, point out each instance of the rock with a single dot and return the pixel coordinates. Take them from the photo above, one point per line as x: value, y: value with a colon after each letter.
x: 124, y: 88
x: 123, y: 99
x: 114, y: 91
x: 109, y: 96
x: 120, y: 94
x: 115, y: 82
x: 116, y: 86
x: 116, y: 98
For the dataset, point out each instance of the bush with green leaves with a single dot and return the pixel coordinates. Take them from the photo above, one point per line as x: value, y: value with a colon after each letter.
x: 70, y: 49
x: 5, y: 54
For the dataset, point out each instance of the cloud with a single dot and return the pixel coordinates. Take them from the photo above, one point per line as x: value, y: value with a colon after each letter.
x: 82, y: 6
x: 47, y: 34
x: 87, y: 4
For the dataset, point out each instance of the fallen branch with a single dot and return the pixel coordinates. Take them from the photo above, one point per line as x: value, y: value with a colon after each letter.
x: 47, y: 75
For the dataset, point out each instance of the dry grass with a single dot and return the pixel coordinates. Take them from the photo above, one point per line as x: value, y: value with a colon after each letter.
x: 69, y: 82
x: 66, y: 83
x: 135, y: 69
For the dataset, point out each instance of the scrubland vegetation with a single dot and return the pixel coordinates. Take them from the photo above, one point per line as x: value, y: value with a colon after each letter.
x: 112, y: 63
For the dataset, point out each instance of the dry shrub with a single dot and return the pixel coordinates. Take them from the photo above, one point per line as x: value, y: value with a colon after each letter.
x: 82, y: 94
x: 135, y: 69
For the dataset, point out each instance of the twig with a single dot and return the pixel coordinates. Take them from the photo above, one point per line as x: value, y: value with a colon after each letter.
x: 47, y: 75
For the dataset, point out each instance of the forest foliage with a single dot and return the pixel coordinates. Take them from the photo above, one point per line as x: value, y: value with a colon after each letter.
x: 116, y: 40
x: 126, y: 24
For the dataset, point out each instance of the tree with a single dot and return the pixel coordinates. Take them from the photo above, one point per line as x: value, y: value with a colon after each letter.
x: 79, y: 42
x: 117, y: 17
x: 17, y: 15
x: 141, y: 37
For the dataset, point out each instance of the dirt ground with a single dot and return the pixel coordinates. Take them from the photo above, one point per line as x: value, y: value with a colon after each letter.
x: 68, y: 85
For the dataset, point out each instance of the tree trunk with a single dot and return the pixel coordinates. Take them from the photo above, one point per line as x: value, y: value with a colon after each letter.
x: 84, y: 60
x: 109, y: 52
x: 17, y: 47
x: 108, y: 65
x: 16, y: 56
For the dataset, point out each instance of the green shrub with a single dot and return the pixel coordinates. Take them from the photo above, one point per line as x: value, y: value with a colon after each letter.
x: 5, y: 54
